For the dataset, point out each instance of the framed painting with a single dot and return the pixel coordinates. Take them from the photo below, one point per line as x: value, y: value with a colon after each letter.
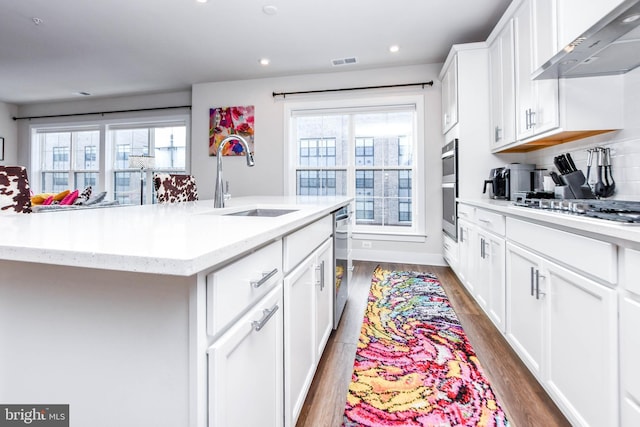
x: 225, y: 121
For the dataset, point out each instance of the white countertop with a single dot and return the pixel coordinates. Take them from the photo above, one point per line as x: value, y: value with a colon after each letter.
x: 618, y: 233
x: 178, y: 239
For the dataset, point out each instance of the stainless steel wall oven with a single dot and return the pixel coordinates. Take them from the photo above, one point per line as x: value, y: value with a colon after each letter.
x: 450, y: 189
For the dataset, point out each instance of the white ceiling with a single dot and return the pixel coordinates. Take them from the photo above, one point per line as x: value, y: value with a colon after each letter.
x: 123, y: 47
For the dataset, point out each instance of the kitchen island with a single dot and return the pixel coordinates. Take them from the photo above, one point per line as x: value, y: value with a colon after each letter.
x: 111, y: 310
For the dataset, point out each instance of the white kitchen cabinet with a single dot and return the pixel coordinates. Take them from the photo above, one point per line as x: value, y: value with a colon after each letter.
x: 466, y: 259
x: 536, y: 100
x: 563, y: 326
x: 490, y: 271
x: 630, y: 339
x: 308, y: 317
x: 525, y: 308
x: 581, y: 372
x: 449, y: 81
x: 502, y: 88
x: 245, y: 368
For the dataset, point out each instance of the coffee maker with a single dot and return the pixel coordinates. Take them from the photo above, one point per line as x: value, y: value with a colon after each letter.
x: 507, y: 181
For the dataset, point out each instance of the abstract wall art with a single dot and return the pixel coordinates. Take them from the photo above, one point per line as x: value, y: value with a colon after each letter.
x: 225, y: 121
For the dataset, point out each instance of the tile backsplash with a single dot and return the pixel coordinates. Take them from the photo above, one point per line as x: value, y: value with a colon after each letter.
x: 625, y: 159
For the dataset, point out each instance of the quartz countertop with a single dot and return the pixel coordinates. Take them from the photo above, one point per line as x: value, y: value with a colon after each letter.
x: 619, y: 233
x: 178, y: 239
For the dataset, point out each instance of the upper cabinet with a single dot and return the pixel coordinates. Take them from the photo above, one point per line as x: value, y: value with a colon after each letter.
x: 536, y: 101
x: 551, y: 111
x: 502, y: 88
x: 449, y: 83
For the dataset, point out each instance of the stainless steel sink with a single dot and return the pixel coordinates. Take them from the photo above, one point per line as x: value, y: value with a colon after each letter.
x: 266, y: 212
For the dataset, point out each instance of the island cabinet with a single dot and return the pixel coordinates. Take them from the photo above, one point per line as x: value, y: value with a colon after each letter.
x: 245, y: 364
x: 562, y: 317
x: 308, y: 314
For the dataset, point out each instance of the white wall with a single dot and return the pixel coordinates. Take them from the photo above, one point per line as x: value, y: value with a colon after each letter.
x: 9, y: 131
x: 267, y: 177
x: 624, y: 144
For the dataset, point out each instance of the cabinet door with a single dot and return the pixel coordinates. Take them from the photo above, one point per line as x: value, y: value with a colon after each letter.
x: 245, y: 366
x: 502, y: 94
x: 299, y: 339
x: 466, y: 254
x: 536, y: 101
x: 525, y: 307
x: 629, y: 366
x: 324, y: 289
x: 450, y: 96
x: 545, y: 41
x: 493, y: 260
x: 581, y: 344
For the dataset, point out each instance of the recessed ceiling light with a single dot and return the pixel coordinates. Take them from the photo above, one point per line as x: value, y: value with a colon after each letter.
x: 264, y: 61
x: 394, y: 48
x: 270, y: 9
x: 36, y: 20
x: 202, y: 1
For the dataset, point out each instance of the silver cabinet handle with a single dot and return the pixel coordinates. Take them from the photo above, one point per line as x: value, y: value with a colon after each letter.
x: 482, y: 248
x: 532, y: 276
x: 538, y: 276
x: 321, y: 268
x: 497, y: 134
x: 265, y: 277
x: 266, y: 315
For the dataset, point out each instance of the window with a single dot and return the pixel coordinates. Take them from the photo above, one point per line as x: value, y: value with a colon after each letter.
x: 63, y: 155
x: 98, y: 155
x: 364, y: 151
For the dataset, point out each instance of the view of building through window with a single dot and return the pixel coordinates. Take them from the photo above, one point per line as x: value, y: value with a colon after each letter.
x: 368, y: 155
x: 70, y: 158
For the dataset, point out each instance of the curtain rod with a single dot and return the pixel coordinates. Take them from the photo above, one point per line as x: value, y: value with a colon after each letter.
x: 102, y: 112
x: 284, y: 94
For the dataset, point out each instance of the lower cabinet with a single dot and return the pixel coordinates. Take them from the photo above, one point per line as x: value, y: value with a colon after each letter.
x: 246, y: 368
x: 564, y: 327
x: 629, y: 366
x: 490, y: 271
x: 308, y: 319
x: 466, y: 254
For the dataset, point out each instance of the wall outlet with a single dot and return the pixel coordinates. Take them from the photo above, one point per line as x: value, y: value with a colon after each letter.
x: 366, y: 244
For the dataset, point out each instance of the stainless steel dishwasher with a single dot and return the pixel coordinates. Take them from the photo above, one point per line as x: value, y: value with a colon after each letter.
x: 342, y: 260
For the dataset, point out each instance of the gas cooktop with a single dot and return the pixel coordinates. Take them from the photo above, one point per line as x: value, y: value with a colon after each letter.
x: 624, y: 212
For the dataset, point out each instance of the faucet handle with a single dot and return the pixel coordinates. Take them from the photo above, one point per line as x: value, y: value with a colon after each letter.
x: 226, y: 194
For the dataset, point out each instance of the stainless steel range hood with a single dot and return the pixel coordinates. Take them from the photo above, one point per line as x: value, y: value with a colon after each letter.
x: 611, y: 46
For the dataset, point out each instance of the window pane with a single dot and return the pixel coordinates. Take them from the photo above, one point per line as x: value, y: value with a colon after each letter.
x: 170, y: 147
x: 322, y: 140
x: 55, y: 182
x: 321, y: 183
x: 86, y: 149
x: 388, y: 131
x: 85, y: 179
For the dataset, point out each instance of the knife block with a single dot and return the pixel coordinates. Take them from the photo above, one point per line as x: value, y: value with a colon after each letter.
x: 577, y: 186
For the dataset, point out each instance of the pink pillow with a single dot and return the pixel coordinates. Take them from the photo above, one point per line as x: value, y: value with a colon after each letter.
x: 70, y: 198
x: 48, y: 200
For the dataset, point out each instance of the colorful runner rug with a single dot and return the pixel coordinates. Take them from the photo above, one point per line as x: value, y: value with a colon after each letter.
x: 414, y: 365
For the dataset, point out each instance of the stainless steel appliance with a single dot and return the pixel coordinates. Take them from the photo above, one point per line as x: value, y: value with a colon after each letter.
x: 620, y: 211
x: 450, y: 189
x: 519, y: 178
x: 342, y: 260
x: 499, y: 181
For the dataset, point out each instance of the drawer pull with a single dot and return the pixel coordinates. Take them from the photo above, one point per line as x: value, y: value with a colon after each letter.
x: 265, y: 277
x: 532, y: 276
x: 485, y: 221
x: 266, y: 315
x: 321, y: 268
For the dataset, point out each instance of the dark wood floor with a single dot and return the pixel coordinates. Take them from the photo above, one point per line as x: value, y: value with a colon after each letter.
x: 522, y: 398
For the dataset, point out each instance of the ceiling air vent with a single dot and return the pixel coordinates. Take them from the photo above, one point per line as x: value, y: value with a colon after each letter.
x: 343, y: 61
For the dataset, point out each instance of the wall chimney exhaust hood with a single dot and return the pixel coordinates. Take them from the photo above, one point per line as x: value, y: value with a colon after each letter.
x: 611, y: 46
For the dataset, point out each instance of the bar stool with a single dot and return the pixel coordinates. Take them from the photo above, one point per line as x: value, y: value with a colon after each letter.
x: 15, y: 196
x: 174, y: 188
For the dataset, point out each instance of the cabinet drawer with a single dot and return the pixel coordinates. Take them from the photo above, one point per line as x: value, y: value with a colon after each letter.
x: 466, y: 212
x: 233, y: 289
x: 594, y: 257
x: 298, y: 245
x: 631, y: 270
x: 491, y: 221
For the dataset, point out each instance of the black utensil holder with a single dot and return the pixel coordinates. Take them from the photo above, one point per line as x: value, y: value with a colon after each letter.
x: 576, y: 183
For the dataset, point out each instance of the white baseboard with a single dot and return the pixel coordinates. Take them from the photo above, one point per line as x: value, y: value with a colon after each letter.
x: 398, y: 257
